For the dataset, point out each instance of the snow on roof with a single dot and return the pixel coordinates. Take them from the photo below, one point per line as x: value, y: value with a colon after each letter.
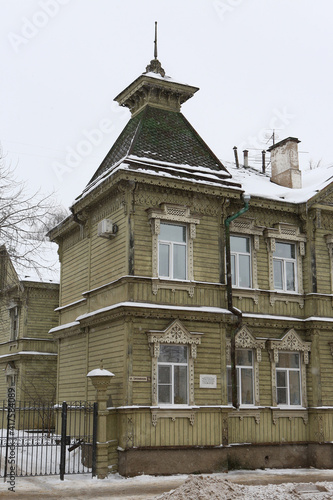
x: 44, y: 266
x: 256, y: 183
x: 166, y: 78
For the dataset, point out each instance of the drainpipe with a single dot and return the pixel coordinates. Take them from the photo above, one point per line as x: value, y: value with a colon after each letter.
x: 231, y: 308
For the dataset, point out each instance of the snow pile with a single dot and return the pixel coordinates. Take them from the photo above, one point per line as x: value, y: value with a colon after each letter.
x: 216, y: 488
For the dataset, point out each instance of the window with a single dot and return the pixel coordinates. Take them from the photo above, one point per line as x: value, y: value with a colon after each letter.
x: 173, y: 352
x: 288, y: 379
x: 14, y: 322
x: 172, y: 374
x: 244, y: 367
x: 172, y: 249
x: 289, y: 358
x: 284, y: 265
x: 240, y: 249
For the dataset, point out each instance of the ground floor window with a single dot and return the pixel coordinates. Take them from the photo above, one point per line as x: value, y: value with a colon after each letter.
x: 173, y: 374
x: 288, y: 379
x: 244, y: 367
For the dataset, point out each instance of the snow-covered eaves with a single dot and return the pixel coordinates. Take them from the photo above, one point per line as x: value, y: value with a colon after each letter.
x: 28, y: 353
x: 258, y: 184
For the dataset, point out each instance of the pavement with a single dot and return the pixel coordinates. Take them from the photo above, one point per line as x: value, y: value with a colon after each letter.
x: 144, y: 487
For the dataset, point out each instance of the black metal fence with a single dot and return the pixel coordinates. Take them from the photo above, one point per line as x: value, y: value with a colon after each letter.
x: 48, y: 438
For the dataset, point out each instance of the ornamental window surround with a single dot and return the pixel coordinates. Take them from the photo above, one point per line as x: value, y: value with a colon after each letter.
x: 244, y: 232
x: 13, y: 311
x: 286, y: 248
x: 172, y: 368
x: 329, y: 243
x: 289, y: 357
x: 173, y: 233
x: 245, y: 342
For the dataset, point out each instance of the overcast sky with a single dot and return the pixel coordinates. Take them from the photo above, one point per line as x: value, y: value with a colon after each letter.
x: 259, y: 64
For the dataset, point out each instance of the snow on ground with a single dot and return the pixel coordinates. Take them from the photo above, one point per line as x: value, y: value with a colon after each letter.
x: 241, y: 485
x: 215, y: 487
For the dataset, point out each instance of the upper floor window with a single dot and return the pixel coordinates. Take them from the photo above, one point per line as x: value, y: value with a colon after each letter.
x: 240, y: 249
x: 244, y: 367
x: 173, y: 374
x: 14, y: 322
x: 288, y: 379
x: 284, y: 265
x: 172, y: 251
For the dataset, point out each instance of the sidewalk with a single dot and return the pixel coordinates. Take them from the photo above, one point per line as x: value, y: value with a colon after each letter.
x: 144, y: 487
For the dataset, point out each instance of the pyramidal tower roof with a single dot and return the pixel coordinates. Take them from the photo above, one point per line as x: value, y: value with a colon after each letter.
x: 158, y: 138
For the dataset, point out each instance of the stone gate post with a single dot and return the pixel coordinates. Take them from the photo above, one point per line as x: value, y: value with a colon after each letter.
x: 101, y: 379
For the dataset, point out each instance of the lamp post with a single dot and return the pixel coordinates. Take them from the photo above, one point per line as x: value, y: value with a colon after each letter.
x: 231, y: 308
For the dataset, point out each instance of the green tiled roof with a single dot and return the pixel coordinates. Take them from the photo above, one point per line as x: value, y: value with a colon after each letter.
x: 161, y: 135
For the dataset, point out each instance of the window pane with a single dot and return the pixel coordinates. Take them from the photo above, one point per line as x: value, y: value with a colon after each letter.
x: 180, y: 381
x: 285, y: 250
x: 164, y: 375
x: 164, y: 394
x: 170, y: 232
x: 294, y: 387
x: 290, y: 275
x: 239, y: 244
x: 278, y: 283
x: 281, y: 378
x: 244, y: 271
x: 288, y: 360
x: 244, y: 357
x: 173, y: 354
x: 164, y: 260
x: 179, y: 261
x: 233, y: 269
x: 247, y: 386
x: 281, y: 396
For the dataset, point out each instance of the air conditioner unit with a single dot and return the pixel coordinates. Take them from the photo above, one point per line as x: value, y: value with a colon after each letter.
x: 107, y: 229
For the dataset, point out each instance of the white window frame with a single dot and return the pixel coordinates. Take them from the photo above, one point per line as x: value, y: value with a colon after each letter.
x: 290, y: 342
x: 240, y: 369
x: 236, y: 255
x: 171, y: 244
x: 172, y: 366
x: 286, y: 233
x: 284, y: 261
x: 288, y: 371
x: 245, y: 340
x: 178, y: 215
x: 177, y: 334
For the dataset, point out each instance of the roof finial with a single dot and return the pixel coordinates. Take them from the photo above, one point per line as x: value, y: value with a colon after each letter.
x: 155, y: 65
x: 155, y: 42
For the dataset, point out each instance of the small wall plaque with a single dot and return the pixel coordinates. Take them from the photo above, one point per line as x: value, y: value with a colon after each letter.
x: 139, y: 379
x: 208, y: 381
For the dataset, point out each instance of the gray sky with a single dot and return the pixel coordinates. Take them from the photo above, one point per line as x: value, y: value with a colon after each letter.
x: 260, y: 64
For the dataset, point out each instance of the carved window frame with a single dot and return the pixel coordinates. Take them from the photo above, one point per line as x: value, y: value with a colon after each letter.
x: 175, y: 333
x: 288, y: 233
x: 177, y: 214
x: 290, y: 342
x: 245, y: 340
x: 244, y: 226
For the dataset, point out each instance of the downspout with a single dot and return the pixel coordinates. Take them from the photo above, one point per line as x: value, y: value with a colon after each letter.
x: 231, y: 308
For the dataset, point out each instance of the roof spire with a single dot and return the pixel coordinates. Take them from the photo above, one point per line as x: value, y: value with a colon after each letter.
x: 155, y: 65
x: 155, y: 42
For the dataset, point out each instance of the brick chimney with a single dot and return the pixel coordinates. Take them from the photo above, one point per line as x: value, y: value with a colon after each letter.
x: 285, y: 165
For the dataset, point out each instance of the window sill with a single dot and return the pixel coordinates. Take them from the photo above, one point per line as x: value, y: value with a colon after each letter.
x: 173, y: 285
x: 290, y: 412
x: 173, y: 412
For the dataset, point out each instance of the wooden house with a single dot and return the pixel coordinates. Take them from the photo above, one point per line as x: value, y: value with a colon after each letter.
x: 144, y: 287
x: 28, y: 353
